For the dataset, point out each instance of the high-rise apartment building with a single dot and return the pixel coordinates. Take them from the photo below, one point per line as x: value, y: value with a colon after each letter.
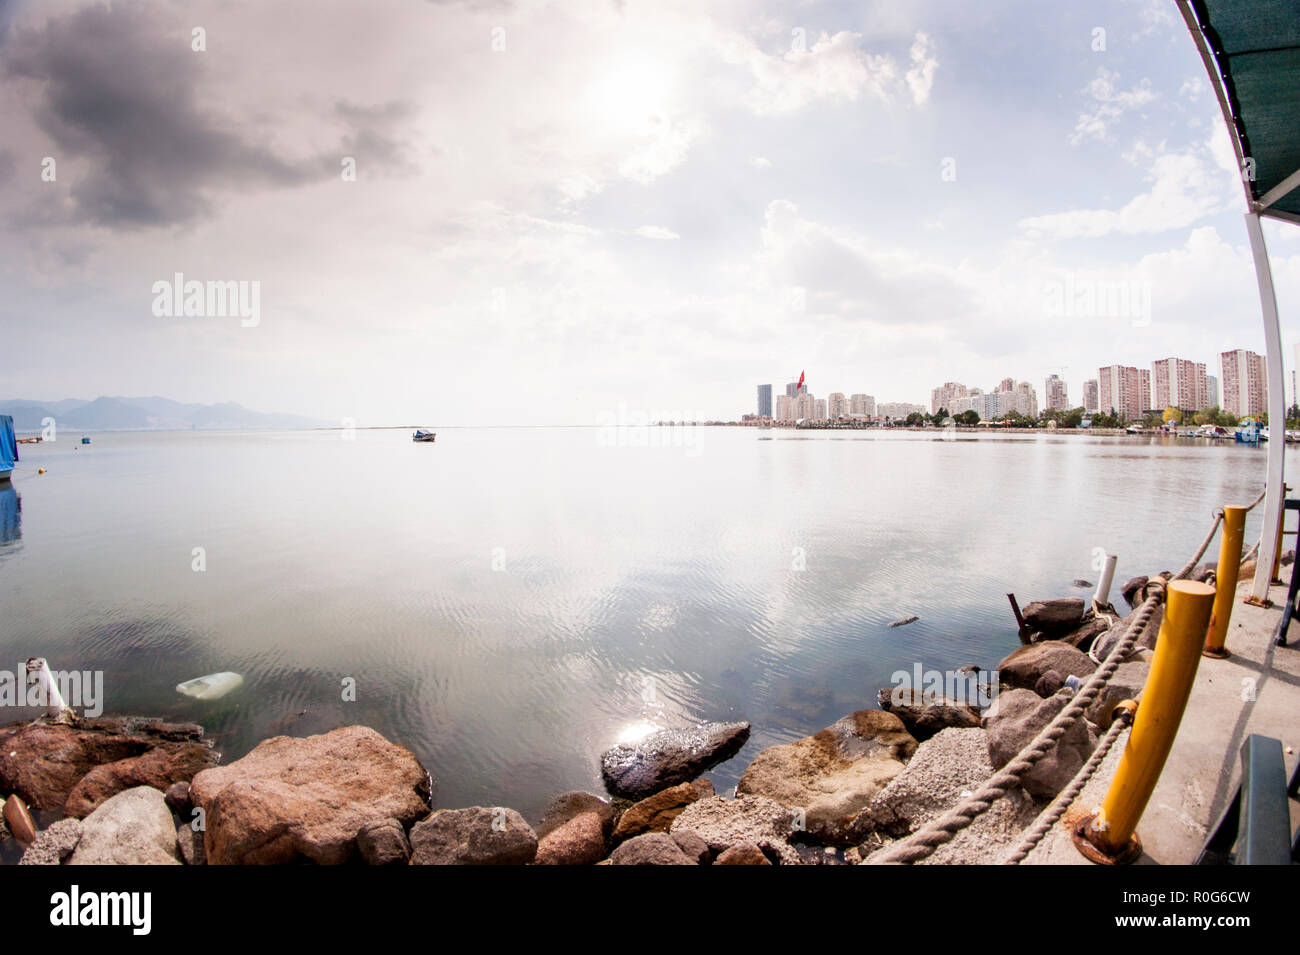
x: 765, y: 400
x: 897, y: 410
x: 784, y: 408
x: 1179, y: 384
x: 1212, y: 398
x: 1090, y: 396
x: 1245, y: 382
x: 837, y: 406
x: 1054, y: 394
x: 1124, y: 390
x: 946, y: 394
x: 819, y: 409
x: 863, y: 405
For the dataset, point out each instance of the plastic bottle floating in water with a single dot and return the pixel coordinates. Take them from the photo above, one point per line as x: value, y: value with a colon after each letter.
x: 211, y: 687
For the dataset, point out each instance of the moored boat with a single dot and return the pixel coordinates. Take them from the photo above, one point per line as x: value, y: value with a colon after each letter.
x: 422, y: 435
x: 8, y: 447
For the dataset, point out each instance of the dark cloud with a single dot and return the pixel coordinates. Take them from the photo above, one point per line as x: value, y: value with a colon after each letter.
x: 374, y: 141
x: 121, y: 91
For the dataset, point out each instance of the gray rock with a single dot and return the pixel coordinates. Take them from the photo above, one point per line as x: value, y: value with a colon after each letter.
x: 478, y: 835
x: 722, y: 823
x: 383, y: 842
x: 1022, y: 668
x: 1080, y: 582
x: 132, y: 828
x: 669, y: 757
x: 1016, y: 717
x: 1126, y: 684
x: 953, y: 763
x: 653, y: 848
x: 54, y: 844
x: 691, y: 843
x: 1054, y: 617
x: 1132, y: 586
x: 924, y: 716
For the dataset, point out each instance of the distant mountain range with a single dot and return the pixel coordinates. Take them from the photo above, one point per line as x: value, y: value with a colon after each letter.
x: 146, y: 414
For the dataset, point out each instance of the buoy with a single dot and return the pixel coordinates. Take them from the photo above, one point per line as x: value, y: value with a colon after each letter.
x: 40, y: 470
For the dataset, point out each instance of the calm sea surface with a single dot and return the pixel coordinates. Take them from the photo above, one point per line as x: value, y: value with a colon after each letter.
x: 511, y: 602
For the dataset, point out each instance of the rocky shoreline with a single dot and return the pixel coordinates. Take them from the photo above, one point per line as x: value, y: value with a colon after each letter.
x: 135, y: 791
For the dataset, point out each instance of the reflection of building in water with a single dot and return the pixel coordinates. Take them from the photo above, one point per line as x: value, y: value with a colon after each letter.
x: 11, y: 515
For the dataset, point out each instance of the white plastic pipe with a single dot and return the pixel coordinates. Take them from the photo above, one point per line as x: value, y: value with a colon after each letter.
x: 1102, y: 596
x: 38, y: 674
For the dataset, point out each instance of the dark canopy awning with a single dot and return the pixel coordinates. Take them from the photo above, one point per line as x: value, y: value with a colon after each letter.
x: 1251, y: 50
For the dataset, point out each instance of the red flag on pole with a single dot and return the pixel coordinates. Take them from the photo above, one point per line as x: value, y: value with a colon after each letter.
x: 799, y: 387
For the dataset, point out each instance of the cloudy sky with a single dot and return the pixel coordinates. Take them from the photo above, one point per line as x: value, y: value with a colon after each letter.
x: 564, y: 209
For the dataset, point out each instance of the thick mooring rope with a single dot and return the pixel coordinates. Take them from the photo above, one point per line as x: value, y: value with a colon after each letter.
x: 922, y: 843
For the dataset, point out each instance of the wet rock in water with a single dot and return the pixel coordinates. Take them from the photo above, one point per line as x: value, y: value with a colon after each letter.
x: 1052, y: 617
x: 54, y: 844
x: 190, y: 845
x: 1082, y: 638
x: 1080, y: 582
x: 945, y: 767
x: 567, y: 806
x: 923, y: 716
x: 479, y: 835
x: 904, y: 621
x: 830, y: 776
x: 1022, y: 668
x: 1132, y: 587
x: 383, y: 842
x: 656, y: 813
x: 18, y: 820
x: 45, y: 762
x: 742, y: 853
x: 1126, y: 684
x: 132, y: 828
x: 653, y: 848
x: 306, y: 799
x: 1016, y: 717
x: 669, y: 757
x: 580, y: 841
x: 691, y: 843
x: 723, y: 823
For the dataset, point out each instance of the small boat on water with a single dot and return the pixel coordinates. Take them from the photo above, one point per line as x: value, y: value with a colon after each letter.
x: 1135, y: 429
x: 1250, y: 432
x: 422, y: 435
x: 8, y: 447
x: 1210, y: 431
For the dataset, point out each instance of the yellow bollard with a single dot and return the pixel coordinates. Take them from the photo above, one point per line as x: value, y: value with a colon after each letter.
x: 1234, y: 533
x: 1111, y: 835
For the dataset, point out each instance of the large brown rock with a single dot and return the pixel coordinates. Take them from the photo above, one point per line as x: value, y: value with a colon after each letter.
x: 723, y: 823
x: 1127, y: 683
x: 580, y: 841
x: 1052, y: 617
x: 568, y: 805
x: 669, y: 757
x: 1022, y: 668
x: 478, y: 835
x: 923, y: 716
x: 306, y: 799
x: 826, y: 779
x: 656, y: 813
x: 1132, y: 587
x: 653, y: 848
x: 1016, y: 718
x: 45, y: 762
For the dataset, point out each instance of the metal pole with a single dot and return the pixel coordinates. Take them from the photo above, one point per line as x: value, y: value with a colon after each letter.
x: 1234, y: 534
x: 1111, y: 835
x: 1273, y: 498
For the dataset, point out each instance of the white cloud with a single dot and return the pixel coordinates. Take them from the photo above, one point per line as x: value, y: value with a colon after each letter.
x: 1111, y: 103
x: 760, y: 162
x: 656, y: 232
x: 920, y: 78
x: 834, y: 68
